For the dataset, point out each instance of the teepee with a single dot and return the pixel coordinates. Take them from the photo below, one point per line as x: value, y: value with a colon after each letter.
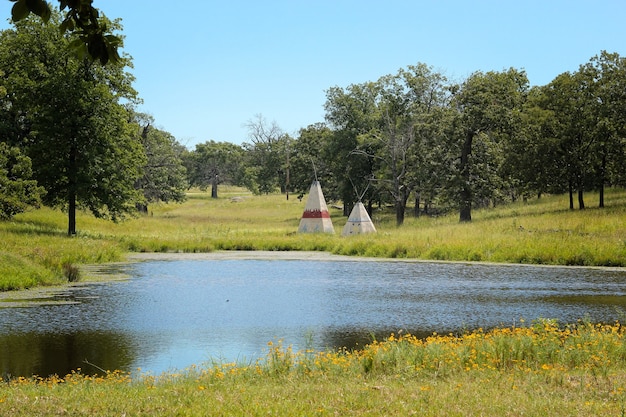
x: 359, y: 221
x: 316, y: 218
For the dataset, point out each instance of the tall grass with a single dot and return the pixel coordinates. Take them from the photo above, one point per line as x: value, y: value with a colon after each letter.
x: 539, y: 231
x: 36, y: 250
x: 543, y: 369
x: 17, y: 272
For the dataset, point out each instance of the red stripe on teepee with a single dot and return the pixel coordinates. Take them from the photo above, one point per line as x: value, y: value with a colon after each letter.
x: 315, y: 214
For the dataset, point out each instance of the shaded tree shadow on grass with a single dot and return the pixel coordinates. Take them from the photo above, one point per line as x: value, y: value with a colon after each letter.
x: 31, y: 227
x: 615, y: 202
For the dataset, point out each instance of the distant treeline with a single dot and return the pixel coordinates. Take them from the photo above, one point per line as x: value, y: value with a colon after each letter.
x: 72, y: 138
x: 449, y: 146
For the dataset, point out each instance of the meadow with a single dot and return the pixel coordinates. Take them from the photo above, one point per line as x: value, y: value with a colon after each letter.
x: 536, y: 369
x: 37, y: 251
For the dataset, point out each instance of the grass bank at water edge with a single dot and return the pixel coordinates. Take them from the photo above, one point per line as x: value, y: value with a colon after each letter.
x: 540, y: 370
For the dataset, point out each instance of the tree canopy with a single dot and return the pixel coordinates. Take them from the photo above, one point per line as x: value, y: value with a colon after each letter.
x: 268, y: 156
x: 163, y: 176
x: 66, y: 114
x: 486, y: 140
x: 18, y: 191
x: 213, y: 163
x: 488, y: 106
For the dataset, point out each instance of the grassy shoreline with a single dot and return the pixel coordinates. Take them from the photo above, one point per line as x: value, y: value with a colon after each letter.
x: 539, y: 370
x: 541, y: 231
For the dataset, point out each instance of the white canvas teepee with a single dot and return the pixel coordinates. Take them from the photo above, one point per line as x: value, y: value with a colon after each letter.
x: 359, y: 222
x: 316, y: 218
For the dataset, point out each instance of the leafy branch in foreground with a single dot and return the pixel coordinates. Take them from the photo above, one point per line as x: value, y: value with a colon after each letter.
x: 82, y: 19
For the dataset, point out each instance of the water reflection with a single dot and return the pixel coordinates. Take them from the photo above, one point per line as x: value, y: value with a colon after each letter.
x: 171, y: 314
x: 44, y: 354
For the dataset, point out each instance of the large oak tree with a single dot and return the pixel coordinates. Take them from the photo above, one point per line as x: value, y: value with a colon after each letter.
x: 489, y: 105
x: 214, y: 163
x: 163, y: 176
x: 351, y: 113
x: 67, y: 116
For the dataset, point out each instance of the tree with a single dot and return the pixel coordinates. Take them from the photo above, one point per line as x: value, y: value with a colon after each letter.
x: 533, y: 160
x: 309, y: 159
x: 393, y: 124
x: 164, y: 177
x: 487, y: 104
x: 67, y: 117
x: 606, y: 76
x: 587, y: 109
x: 213, y: 163
x: 569, y: 97
x: 267, y: 156
x: 434, y: 157
x: 350, y: 113
x: 17, y: 190
x: 408, y: 101
x: 82, y: 19
x: 393, y: 141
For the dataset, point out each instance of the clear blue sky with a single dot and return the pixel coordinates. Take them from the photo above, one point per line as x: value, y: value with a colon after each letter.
x: 204, y: 68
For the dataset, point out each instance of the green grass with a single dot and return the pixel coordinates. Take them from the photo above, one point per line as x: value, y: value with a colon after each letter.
x: 540, y: 370
x: 539, y: 231
x: 21, y: 273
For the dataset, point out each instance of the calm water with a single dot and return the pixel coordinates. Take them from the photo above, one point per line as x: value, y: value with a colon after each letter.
x: 175, y: 313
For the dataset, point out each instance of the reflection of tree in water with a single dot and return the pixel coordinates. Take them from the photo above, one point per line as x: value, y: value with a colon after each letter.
x: 357, y: 338
x: 27, y: 354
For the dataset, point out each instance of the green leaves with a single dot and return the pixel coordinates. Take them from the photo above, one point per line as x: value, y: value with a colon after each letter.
x: 19, y: 11
x: 66, y: 115
x: 163, y: 174
x: 67, y: 25
x: 17, y: 190
x: 22, y: 8
x: 82, y: 19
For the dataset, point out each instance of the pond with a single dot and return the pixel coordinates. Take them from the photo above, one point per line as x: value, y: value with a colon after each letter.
x: 178, y: 310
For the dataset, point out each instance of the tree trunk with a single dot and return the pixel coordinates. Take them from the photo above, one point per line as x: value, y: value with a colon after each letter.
x: 71, y: 214
x: 571, y: 195
x: 602, y: 180
x: 287, y: 180
x: 348, y: 202
x: 214, y: 187
x: 71, y: 192
x: 416, y: 210
x: 601, y: 205
x: 465, y: 203
x: 581, y: 201
x: 347, y: 208
x: 400, y: 208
